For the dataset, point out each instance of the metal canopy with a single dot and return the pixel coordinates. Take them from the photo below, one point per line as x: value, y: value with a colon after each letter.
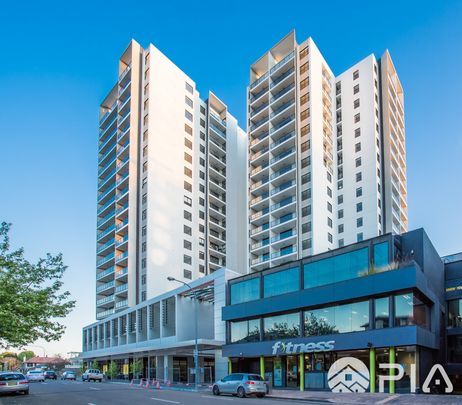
x: 204, y: 292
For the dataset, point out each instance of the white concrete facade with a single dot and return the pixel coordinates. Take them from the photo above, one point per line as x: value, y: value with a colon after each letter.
x: 171, y: 183
x: 326, y: 154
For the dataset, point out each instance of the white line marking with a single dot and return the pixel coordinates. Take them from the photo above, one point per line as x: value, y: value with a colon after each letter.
x: 96, y: 389
x: 165, y: 400
x: 209, y: 396
x: 384, y: 401
x: 91, y: 403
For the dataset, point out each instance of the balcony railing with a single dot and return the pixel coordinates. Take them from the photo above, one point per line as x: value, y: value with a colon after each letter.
x: 107, y: 244
x: 218, y: 118
x: 283, y: 219
x: 282, y: 171
x: 104, y: 314
x: 280, y: 93
x: 282, y: 62
x: 104, y: 273
x: 259, y: 138
x: 259, y: 80
x: 284, y: 122
x: 261, y: 228
x: 121, y: 288
x: 282, y: 155
x: 263, y: 181
x: 124, y: 72
x: 283, y: 139
x: 105, y: 286
x: 282, y: 108
x: 218, y: 130
x: 283, y: 235
x: 121, y: 304
x: 108, y: 176
x: 284, y: 252
x: 121, y: 225
x: 105, y: 259
x: 283, y: 186
x: 107, y: 113
x: 283, y: 203
x: 257, y: 110
x: 121, y: 272
x: 121, y: 193
x: 259, y: 214
x: 105, y: 232
x: 259, y: 123
x: 259, y: 153
x: 121, y: 256
x: 106, y: 204
x: 279, y: 79
x: 259, y: 198
x: 106, y: 193
x: 261, y: 259
x: 105, y: 300
x: 259, y: 94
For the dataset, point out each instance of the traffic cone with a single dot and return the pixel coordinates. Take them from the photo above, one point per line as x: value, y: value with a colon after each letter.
x: 131, y: 383
x: 141, y: 383
x: 147, y: 384
x: 169, y: 384
x: 158, y: 385
x: 153, y: 381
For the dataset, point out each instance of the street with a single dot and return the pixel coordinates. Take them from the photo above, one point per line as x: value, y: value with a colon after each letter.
x: 78, y: 393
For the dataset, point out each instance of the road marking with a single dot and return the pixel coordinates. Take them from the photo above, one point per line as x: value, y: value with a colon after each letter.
x: 96, y: 389
x: 165, y: 400
x: 91, y: 403
x: 384, y: 401
x: 216, y: 397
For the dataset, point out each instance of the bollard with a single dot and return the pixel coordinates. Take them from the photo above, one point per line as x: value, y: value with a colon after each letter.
x: 131, y: 383
x: 158, y: 385
x: 147, y: 384
x: 141, y: 383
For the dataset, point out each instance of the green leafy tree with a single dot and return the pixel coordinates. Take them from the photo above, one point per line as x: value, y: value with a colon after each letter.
x: 28, y: 354
x: 112, y: 370
x: 31, y: 299
x: 83, y: 367
x: 135, y: 368
x: 94, y: 364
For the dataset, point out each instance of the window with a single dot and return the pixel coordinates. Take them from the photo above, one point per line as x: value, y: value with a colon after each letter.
x: 144, y: 198
x: 281, y: 326
x: 145, y: 151
x: 340, y: 185
x: 202, y: 123
x: 306, y: 227
x: 187, y: 259
x: 359, y: 237
x: 187, y: 200
x: 306, y: 244
x: 329, y: 191
x: 410, y: 310
x: 357, y: 118
x: 201, y: 242
x: 341, y: 228
x: 245, y: 331
x: 143, y: 247
x: 202, y: 148
x: 329, y: 206
x: 187, y: 230
x: 188, y: 101
x: 202, y: 110
x: 143, y: 230
x: 305, y: 130
x: 329, y: 177
x: 341, y: 242
x: 359, y: 176
x: 189, y: 88
x: 356, y: 89
x: 188, y: 129
x: 381, y: 261
x: 357, y: 132
x: 202, y: 175
x: 143, y: 263
x: 358, y: 162
x: 306, y: 178
x: 188, y: 143
x: 340, y: 199
x: 201, y: 268
x: 187, y: 186
x: 304, y: 99
x: 188, y: 157
x: 202, y: 161
x: 306, y: 194
x: 143, y: 279
x: 305, y: 114
x: 356, y: 103
x: 305, y: 146
x: 201, y: 188
x: 338, y: 88
x: 281, y: 282
x: 340, y: 214
x: 359, y: 207
x: 188, y: 172
x: 355, y: 74
x: 329, y: 222
x: 304, y: 52
x: 304, y: 83
x: 359, y: 192
x: 144, y: 214
x: 188, y: 115
x: 187, y: 274
x: 201, y: 214
x: 202, y: 255
x: 455, y: 313
x: 187, y: 244
x: 306, y: 211
x: 330, y: 237
x: 306, y: 162
x: 359, y: 222
x: 202, y: 135
x: 382, y: 312
x: 358, y: 147
x: 244, y: 291
x: 187, y: 215
x: 201, y: 202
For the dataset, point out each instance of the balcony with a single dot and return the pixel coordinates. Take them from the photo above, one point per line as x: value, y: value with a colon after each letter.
x: 107, y: 114
x: 220, y: 159
x: 282, y: 123
x: 103, y: 145
x: 121, y: 288
x: 261, y: 259
x: 124, y: 73
x: 259, y: 109
x: 259, y: 229
x: 103, y: 134
x: 284, y: 252
x: 283, y: 203
x: 285, y: 186
x: 261, y: 152
x: 221, y: 146
x: 261, y: 244
x: 121, y: 193
x: 256, y: 96
x: 121, y: 304
x: 280, y: 78
x: 105, y: 260
x: 217, y: 118
x: 259, y: 214
x: 103, y: 157
x: 102, y: 183
x: 121, y: 273
x: 121, y: 241
x: 105, y: 286
x: 218, y: 131
x: 103, y: 275
x: 259, y: 169
x: 103, y: 220
x: 282, y: 92
x: 282, y: 62
x: 259, y: 124
x: 284, y: 219
x: 282, y: 139
x: 282, y: 108
x: 103, y: 169
x: 283, y: 238
x: 118, y: 227
x: 103, y: 234
x: 258, y: 81
x: 221, y: 224
x: 260, y: 183
x: 102, y: 198
x: 101, y: 248
x: 104, y: 314
x: 282, y: 156
x: 123, y: 88
x: 259, y: 138
x: 283, y: 174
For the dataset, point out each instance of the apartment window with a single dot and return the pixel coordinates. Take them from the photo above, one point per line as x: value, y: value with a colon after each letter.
x: 188, y: 172
x: 187, y: 274
x: 146, y: 89
x: 305, y: 114
x: 377, y: 142
x: 146, y: 74
x: 143, y: 247
x: 144, y: 198
x: 201, y: 268
x: 202, y: 123
x: 304, y: 83
x: 306, y: 194
x: 201, y: 201
x: 378, y: 187
x: 305, y: 146
x: 187, y: 186
x: 340, y: 173
x: 146, y: 120
x: 329, y: 177
x: 304, y: 68
x: 143, y: 279
x: 202, y: 148
x: 144, y: 182
x: 338, y: 88
x: 201, y: 254
x: 201, y: 228
x: 189, y: 88
x: 188, y: 143
x: 145, y: 136
x: 143, y: 295
x: 340, y: 199
x: 329, y: 222
x: 202, y: 175
x: 358, y: 147
x: 202, y: 110
x: 188, y: 115
x: 329, y: 237
x: 359, y: 222
x: 188, y: 129
x: 379, y: 203
x: 306, y: 211
x: 187, y: 230
x: 306, y: 162
x: 377, y: 128
x: 375, y: 69
x: 357, y: 132
x: 338, y: 102
x: 359, y: 176
x: 143, y: 214
x: 143, y: 263
x: 187, y: 244
x: 377, y: 115
x: 145, y: 167
x: 305, y: 130
x: 358, y: 162
x: 187, y: 201
x: 146, y: 104
x: 378, y: 173
x: 188, y: 157
x: 329, y: 191
x: 359, y: 192
x: 340, y: 185
x: 355, y: 74
x: 143, y: 231
x: 304, y: 99
x: 375, y: 83
x: 187, y: 259
x: 359, y: 207
x: 341, y: 228
x: 188, y: 101
x: 306, y: 227
x: 340, y: 214
x: 187, y: 215
x: 201, y: 188
x: 329, y: 206
x: 356, y: 89
x: 341, y: 243
x: 359, y: 237
x: 357, y: 118
x: 339, y: 144
x: 304, y: 52
x: 201, y: 214
x: 306, y: 244
x: 145, y: 151
x: 339, y: 116
x: 306, y: 178
x: 378, y: 158
x: 201, y: 242
x: 380, y: 219
x: 356, y: 103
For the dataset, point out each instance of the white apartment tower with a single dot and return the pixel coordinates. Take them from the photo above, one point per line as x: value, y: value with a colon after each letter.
x: 327, y: 163
x: 171, y: 183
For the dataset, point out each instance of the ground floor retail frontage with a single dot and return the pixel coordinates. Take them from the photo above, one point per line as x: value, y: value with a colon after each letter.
x: 309, y: 371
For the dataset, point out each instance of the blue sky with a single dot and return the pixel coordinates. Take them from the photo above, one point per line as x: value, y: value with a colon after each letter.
x: 59, y: 59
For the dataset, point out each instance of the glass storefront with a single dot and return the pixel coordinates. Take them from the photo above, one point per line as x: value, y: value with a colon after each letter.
x: 281, y: 282
x: 281, y: 326
x: 245, y: 331
x: 455, y: 313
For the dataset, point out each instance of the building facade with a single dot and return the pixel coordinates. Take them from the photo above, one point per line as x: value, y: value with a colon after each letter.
x: 381, y: 300
x: 171, y: 183
x: 327, y: 163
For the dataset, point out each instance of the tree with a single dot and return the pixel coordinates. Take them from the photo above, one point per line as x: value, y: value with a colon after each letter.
x: 31, y: 299
x: 112, y: 370
x: 28, y: 354
x: 95, y: 365
x: 135, y: 368
x: 83, y: 367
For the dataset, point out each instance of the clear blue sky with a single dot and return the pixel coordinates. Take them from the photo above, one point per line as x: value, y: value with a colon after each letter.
x: 59, y: 59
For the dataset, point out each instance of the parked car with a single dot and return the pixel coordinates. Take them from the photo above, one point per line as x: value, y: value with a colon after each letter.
x: 241, y: 384
x: 50, y: 375
x: 13, y: 382
x: 92, y: 375
x: 68, y: 375
x: 36, y: 375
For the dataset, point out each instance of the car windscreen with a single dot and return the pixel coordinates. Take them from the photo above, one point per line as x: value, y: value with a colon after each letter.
x: 11, y: 377
x: 255, y: 377
x: 35, y: 372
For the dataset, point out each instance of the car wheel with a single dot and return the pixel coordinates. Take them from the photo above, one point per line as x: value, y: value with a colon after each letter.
x: 260, y: 395
x: 216, y: 390
x: 26, y: 392
x: 241, y: 392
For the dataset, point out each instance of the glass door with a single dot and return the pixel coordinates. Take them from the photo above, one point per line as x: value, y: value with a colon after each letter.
x: 292, y: 372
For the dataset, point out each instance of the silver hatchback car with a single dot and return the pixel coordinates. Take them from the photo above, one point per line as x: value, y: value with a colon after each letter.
x: 241, y: 384
x: 12, y: 381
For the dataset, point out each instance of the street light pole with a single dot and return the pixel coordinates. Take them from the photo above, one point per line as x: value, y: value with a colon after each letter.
x: 196, y: 327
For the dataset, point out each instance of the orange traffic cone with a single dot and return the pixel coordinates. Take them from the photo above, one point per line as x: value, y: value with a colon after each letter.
x: 158, y: 385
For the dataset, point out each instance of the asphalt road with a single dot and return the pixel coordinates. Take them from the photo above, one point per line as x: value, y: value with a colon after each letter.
x: 79, y: 393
